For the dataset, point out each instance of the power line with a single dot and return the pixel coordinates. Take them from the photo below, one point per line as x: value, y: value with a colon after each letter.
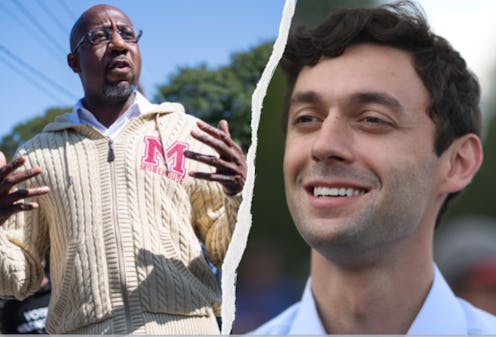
x: 37, y: 73
x: 53, y: 17
x: 67, y: 10
x: 28, y: 78
x: 39, y: 26
x: 31, y: 30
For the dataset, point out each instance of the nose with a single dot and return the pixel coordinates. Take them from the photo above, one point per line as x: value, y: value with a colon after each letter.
x: 116, y: 42
x: 333, y: 141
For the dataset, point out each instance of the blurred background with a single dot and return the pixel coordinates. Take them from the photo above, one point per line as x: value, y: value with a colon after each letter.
x: 209, y: 56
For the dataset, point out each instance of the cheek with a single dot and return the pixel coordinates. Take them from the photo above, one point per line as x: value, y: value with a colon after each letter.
x: 397, y: 155
x: 91, y: 68
x: 291, y: 167
x: 136, y: 59
x: 410, y: 174
x: 295, y: 157
x: 138, y: 64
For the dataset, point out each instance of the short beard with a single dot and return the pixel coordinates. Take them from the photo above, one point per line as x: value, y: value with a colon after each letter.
x: 118, y: 92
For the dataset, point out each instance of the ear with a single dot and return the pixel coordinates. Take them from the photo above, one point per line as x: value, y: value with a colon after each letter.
x: 73, y: 62
x: 464, y: 157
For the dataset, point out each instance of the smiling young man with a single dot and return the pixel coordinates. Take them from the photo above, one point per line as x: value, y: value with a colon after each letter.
x: 122, y: 210
x: 382, y: 127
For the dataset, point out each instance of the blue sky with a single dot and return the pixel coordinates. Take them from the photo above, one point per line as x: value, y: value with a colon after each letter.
x: 176, y: 33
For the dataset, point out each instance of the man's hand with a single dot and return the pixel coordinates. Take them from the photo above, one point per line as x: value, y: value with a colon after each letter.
x: 9, y: 199
x: 230, y: 165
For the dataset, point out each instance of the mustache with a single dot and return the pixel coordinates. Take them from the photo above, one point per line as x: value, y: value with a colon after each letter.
x: 343, y: 171
x: 119, y: 61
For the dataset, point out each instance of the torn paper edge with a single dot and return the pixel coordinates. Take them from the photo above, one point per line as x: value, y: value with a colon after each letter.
x: 244, y: 218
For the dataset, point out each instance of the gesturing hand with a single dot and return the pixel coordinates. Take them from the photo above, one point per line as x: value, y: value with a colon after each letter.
x: 230, y: 165
x: 9, y: 199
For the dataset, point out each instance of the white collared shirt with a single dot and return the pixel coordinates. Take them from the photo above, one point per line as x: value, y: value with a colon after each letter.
x: 441, y: 314
x: 80, y: 115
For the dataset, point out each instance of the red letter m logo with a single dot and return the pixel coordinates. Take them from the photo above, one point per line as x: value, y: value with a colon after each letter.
x: 154, y: 155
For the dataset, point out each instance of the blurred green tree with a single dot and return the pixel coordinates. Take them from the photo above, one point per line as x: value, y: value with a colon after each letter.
x: 222, y: 93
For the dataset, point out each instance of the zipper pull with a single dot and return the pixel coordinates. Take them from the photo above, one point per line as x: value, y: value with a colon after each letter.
x: 111, y: 155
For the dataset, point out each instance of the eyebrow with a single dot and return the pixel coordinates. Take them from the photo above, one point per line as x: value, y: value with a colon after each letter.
x: 305, y: 97
x: 109, y: 25
x: 377, y: 97
x: 380, y: 98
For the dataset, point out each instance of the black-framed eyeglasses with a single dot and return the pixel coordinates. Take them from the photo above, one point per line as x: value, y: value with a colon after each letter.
x: 104, y: 35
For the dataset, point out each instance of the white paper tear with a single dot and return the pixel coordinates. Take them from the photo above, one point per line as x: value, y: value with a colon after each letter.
x: 240, y: 235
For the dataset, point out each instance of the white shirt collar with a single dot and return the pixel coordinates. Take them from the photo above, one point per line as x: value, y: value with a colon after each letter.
x: 440, y: 313
x: 80, y: 115
x: 307, y: 321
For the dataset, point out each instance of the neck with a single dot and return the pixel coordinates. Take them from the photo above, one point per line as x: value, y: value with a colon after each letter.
x: 107, y: 112
x: 380, y: 298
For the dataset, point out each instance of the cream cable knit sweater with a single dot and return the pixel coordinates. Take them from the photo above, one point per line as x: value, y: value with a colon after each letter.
x: 122, y: 228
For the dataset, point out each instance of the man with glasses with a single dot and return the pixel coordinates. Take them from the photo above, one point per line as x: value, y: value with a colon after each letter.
x: 111, y: 192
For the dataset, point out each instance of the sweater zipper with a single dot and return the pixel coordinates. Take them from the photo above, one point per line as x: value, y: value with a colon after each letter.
x: 120, y: 250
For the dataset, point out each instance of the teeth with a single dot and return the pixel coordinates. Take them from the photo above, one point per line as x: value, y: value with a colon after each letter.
x: 336, y: 192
